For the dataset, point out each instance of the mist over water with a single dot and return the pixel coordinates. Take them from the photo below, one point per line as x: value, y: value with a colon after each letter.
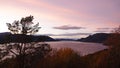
x: 83, y: 48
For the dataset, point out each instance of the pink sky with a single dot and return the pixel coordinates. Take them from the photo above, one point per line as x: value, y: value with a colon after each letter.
x: 89, y: 15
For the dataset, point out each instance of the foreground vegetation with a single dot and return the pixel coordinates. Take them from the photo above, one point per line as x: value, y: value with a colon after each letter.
x: 67, y: 58
x: 62, y: 58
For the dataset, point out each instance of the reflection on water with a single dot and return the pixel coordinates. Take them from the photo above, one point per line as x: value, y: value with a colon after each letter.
x: 82, y: 48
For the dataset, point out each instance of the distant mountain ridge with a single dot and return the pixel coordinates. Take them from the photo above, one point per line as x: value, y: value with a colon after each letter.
x: 96, y: 38
x: 7, y: 37
x: 65, y: 39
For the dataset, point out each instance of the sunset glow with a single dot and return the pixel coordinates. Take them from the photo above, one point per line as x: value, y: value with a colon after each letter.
x: 64, y: 18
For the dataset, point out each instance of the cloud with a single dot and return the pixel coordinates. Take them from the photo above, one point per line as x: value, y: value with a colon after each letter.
x: 68, y: 34
x: 103, y: 30
x: 68, y: 27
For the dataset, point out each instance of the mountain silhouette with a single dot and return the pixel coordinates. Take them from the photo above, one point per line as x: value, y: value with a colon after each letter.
x: 97, y: 38
x: 7, y: 37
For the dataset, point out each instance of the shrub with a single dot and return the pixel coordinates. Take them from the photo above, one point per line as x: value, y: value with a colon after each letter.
x: 62, y: 58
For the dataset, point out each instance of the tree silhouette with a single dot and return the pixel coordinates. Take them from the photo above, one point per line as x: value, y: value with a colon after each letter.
x: 24, y: 26
x: 24, y: 52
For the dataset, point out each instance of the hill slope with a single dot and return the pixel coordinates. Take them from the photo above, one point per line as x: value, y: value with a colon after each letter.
x: 97, y: 38
x: 8, y: 37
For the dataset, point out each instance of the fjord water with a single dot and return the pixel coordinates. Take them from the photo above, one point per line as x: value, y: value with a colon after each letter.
x: 83, y: 48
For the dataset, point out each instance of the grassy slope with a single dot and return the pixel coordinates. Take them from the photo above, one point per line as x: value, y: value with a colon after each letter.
x: 97, y: 59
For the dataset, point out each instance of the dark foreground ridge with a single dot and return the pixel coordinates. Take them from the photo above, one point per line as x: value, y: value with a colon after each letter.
x: 21, y: 38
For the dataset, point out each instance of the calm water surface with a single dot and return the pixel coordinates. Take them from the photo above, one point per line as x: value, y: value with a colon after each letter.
x: 82, y: 48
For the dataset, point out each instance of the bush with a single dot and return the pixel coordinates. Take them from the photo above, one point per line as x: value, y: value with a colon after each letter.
x: 62, y: 58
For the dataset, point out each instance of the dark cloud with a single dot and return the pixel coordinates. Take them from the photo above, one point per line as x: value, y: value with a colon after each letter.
x: 68, y: 27
x: 69, y: 34
x: 103, y: 30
